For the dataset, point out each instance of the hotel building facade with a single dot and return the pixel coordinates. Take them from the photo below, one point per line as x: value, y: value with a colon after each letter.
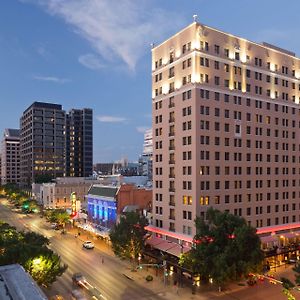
x: 226, y: 120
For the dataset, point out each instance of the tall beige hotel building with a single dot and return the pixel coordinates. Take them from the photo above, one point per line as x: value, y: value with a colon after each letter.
x: 226, y: 120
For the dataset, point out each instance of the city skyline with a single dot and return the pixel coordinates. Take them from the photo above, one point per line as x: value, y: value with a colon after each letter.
x: 102, y: 63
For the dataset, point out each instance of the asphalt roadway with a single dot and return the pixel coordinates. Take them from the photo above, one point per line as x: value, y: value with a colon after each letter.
x: 107, y: 277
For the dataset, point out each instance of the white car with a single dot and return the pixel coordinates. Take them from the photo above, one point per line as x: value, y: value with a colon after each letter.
x: 53, y: 225
x: 88, y: 245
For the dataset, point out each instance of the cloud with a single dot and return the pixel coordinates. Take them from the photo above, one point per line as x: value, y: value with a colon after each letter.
x: 90, y: 61
x: 52, y: 79
x: 111, y: 119
x: 142, y: 129
x: 42, y: 51
x: 116, y: 29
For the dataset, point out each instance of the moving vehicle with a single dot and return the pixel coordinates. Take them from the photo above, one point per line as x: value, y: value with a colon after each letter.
x: 78, y: 295
x: 54, y: 225
x: 88, y: 245
x: 79, y: 280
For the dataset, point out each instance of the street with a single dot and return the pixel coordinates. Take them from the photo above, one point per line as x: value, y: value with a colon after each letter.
x: 107, y: 277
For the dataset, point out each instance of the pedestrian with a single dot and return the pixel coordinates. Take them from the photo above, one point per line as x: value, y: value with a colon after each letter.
x: 176, y: 286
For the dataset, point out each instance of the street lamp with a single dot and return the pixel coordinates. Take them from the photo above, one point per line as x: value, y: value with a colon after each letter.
x: 36, y: 261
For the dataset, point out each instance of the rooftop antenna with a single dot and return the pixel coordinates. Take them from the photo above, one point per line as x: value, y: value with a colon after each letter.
x: 152, y: 45
x: 195, y: 17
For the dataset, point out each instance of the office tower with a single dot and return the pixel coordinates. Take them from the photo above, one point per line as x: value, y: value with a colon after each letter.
x: 79, y: 142
x: 226, y: 123
x: 42, y: 139
x: 145, y: 160
x: 10, y: 157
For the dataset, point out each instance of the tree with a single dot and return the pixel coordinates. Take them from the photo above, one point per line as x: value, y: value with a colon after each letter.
x: 226, y: 248
x: 128, y: 236
x: 57, y: 216
x: 45, y: 268
x: 288, y: 285
x: 62, y: 217
x: 30, y: 250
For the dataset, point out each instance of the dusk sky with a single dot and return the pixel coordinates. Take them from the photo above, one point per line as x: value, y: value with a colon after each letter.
x: 97, y: 54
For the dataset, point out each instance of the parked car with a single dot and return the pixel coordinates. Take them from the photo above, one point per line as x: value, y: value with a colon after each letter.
x: 88, y: 245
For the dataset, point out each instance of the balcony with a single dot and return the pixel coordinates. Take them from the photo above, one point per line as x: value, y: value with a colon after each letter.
x: 171, y: 105
x: 172, y: 176
x: 171, y: 120
x: 172, y: 148
x: 172, y: 189
x: 171, y: 203
x: 172, y: 161
x: 172, y: 133
x: 172, y: 229
x: 172, y: 217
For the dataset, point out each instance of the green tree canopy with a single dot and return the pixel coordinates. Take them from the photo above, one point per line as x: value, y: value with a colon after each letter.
x: 59, y: 216
x: 30, y: 250
x: 128, y: 235
x: 226, y: 248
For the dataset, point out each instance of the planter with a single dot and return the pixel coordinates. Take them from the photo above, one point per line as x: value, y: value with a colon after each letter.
x: 149, y: 278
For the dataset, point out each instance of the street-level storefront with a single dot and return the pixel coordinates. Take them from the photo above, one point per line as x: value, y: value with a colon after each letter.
x: 280, y: 244
x: 102, y: 205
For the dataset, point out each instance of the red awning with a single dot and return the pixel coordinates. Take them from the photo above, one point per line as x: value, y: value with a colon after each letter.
x: 153, y: 241
x: 177, y: 250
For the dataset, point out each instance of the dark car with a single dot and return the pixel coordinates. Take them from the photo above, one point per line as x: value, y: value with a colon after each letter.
x: 78, y: 279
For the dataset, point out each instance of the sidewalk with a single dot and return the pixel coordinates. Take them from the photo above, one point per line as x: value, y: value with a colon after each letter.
x: 167, y: 291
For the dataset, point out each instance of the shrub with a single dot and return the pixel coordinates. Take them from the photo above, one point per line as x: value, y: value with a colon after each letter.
x: 149, y: 278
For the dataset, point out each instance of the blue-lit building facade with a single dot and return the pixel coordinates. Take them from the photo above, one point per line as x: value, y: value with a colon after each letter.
x: 102, y: 205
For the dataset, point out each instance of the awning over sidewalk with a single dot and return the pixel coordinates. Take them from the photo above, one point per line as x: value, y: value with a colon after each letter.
x: 153, y: 241
x: 269, y: 239
x: 177, y: 250
x: 167, y: 246
x: 179, y: 236
x: 288, y: 235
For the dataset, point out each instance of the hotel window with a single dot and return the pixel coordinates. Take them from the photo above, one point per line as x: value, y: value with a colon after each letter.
x: 226, y: 52
x: 227, y: 199
x: 217, y: 49
x: 217, y: 199
x: 258, y: 61
x: 226, y: 67
x: 248, y: 73
x: 204, y: 62
x: 237, y: 55
x: 204, y: 45
x: 172, y: 56
x: 171, y: 72
x: 217, y: 65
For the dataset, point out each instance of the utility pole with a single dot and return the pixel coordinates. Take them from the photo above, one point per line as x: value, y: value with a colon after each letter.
x: 165, y: 272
